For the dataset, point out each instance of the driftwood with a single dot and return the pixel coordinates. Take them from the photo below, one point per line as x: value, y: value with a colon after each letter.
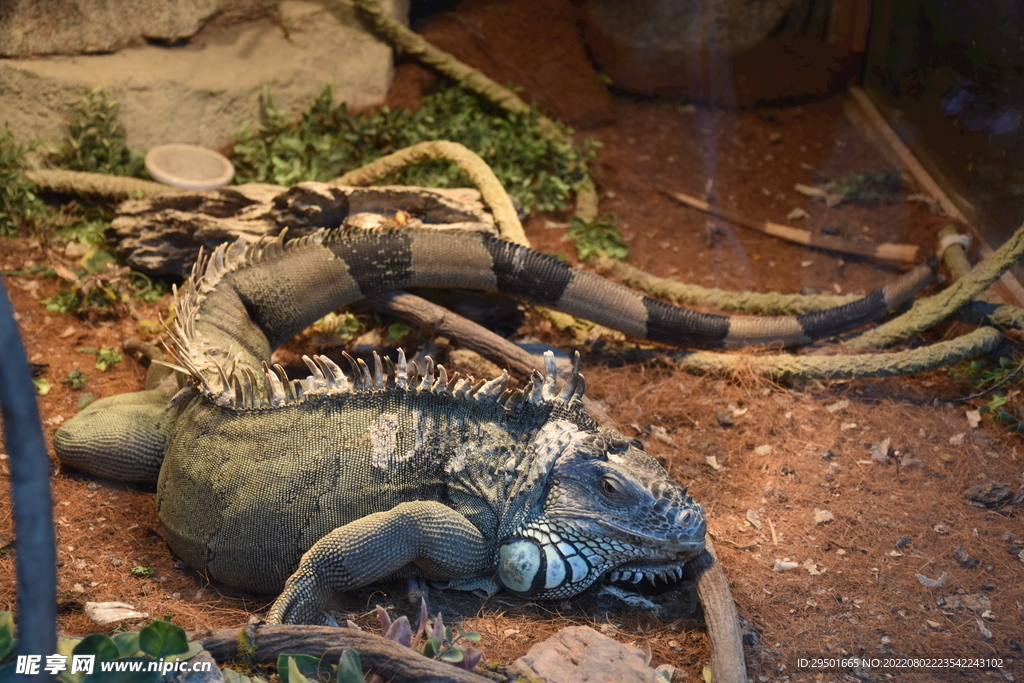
x: 263, y: 644
x: 720, y: 616
x: 163, y: 234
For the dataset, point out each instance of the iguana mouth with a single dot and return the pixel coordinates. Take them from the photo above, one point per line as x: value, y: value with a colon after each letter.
x: 648, y: 577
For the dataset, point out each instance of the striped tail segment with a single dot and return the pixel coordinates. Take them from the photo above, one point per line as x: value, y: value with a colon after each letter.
x: 244, y: 300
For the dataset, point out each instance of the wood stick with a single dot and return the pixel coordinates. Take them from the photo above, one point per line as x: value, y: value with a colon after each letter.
x: 468, y: 334
x: 724, y: 632
x: 906, y: 253
x: 383, y: 657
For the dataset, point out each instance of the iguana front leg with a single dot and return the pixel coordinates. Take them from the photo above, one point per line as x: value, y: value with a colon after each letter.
x: 427, y: 535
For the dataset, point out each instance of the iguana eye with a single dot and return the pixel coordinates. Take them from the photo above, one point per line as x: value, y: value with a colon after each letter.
x: 611, y: 487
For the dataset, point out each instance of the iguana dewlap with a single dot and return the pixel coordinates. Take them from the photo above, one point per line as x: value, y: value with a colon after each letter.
x: 344, y: 478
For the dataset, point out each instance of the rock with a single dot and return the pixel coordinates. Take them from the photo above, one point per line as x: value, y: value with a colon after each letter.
x: 717, y: 52
x: 992, y: 494
x: 579, y: 653
x: 66, y: 27
x: 966, y: 561
x: 979, y: 603
x: 200, y: 95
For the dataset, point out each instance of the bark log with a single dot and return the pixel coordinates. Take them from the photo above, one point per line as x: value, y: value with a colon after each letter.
x: 163, y: 234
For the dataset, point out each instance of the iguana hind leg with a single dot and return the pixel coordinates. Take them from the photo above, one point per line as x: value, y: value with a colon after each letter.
x: 428, y: 535
x: 122, y: 437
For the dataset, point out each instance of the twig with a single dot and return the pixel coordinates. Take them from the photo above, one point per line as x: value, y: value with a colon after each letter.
x: 906, y: 253
x: 468, y: 334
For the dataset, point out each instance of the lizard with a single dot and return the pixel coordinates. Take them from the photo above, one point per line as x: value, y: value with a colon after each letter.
x: 307, y: 487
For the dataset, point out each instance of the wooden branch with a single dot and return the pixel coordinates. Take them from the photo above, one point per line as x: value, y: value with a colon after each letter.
x: 163, y: 234
x: 468, y: 334
x: 383, y: 657
x: 727, y: 662
x: 906, y: 253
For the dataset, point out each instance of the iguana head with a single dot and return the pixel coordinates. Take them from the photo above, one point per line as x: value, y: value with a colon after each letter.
x: 609, y: 510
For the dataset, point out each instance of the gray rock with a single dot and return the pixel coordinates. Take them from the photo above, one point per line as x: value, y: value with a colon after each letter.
x: 66, y: 27
x: 579, y: 653
x: 201, y: 92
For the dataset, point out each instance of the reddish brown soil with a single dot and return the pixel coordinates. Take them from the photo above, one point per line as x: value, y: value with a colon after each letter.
x: 792, y: 449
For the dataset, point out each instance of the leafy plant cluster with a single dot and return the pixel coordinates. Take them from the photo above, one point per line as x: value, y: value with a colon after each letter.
x: 996, y: 374
x: 599, y: 237
x: 860, y: 187
x: 162, y: 640
x: 159, y: 640
x: 19, y: 204
x: 96, y: 140
x: 432, y: 640
x: 328, y: 140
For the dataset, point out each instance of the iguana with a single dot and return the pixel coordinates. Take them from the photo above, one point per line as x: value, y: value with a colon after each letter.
x: 331, y: 482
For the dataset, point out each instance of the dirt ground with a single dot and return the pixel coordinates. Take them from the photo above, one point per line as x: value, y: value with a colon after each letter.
x: 785, y: 471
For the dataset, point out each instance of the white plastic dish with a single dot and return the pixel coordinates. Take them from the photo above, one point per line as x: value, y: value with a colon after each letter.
x: 189, y: 166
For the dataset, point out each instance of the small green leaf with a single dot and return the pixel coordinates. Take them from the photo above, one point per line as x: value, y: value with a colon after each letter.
x: 306, y: 666
x: 429, y: 649
x: 75, y: 379
x: 706, y: 673
x: 127, y: 643
x: 396, y: 331
x: 451, y: 655
x: 85, y: 400
x: 162, y: 639
x: 350, y: 669
x: 42, y: 386
x: 141, y: 571
x: 107, y: 357
x: 99, y: 645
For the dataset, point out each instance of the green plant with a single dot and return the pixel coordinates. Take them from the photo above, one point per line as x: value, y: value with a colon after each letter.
x: 599, y: 237
x: 862, y: 187
x: 990, y: 376
x: 327, y: 141
x: 19, y: 204
x: 75, y: 379
x: 344, y: 325
x: 42, y: 386
x: 125, y: 657
x: 96, y: 140
x: 102, y: 287
x: 432, y: 640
